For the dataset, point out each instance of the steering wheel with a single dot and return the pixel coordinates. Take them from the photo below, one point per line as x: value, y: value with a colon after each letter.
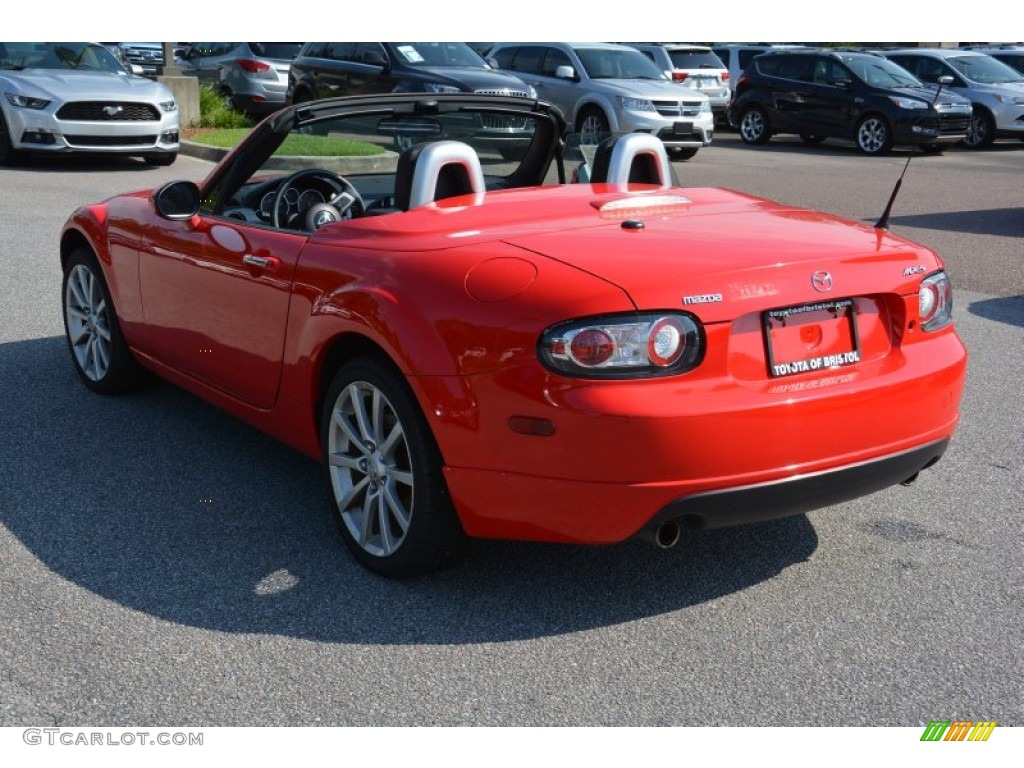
x: 348, y: 199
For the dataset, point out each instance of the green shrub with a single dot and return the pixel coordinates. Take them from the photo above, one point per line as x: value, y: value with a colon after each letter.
x: 215, y: 111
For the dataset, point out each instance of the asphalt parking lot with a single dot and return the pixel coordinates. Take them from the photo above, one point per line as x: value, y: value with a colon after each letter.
x: 162, y: 563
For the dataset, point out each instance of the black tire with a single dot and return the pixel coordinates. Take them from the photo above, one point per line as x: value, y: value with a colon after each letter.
x: 754, y: 126
x: 383, y: 471
x: 874, y: 135
x: 592, y: 126
x: 982, y: 130
x: 682, y: 153
x: 160, y: 158
x: 811, y: 139
x: 98, y: 350
x: 8, y: 154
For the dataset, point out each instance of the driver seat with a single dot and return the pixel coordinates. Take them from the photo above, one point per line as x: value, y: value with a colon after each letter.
x: 435, y: 171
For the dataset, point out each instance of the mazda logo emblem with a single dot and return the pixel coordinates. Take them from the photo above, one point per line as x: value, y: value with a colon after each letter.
x: 822, y: 281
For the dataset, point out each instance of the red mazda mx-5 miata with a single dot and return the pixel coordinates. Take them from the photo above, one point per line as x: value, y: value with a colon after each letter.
x: 407, y: 288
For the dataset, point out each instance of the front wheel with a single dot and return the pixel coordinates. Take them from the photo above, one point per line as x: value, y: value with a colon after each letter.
x: 682, y: 153
x: 874, y: 136
x: 98, y: 349
x: 160, y: 158
x: 387, y: 492
x: 592, y: 127
x: 8, y: 154
x: 754, y: 126
x: 982, y: 130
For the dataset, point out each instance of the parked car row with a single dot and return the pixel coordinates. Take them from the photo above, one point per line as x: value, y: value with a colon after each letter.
x: 928, y: 98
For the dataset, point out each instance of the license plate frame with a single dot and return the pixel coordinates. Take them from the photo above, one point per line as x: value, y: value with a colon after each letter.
x: 840, y: 352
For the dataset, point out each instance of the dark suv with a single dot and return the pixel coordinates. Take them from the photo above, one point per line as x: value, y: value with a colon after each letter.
x: 323, y: 70
x: 860, y: 96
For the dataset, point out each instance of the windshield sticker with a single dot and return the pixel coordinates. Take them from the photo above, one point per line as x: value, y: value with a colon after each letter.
x: 411, y: 54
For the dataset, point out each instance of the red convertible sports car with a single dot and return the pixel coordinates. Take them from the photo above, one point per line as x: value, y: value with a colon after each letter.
x: 482, y: 330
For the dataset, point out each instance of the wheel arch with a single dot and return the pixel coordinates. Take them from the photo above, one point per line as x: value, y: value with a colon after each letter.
x: 591, y: 101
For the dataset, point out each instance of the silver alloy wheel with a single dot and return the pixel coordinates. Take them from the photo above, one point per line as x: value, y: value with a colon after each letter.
x: 752, y: 125
x: 873, y: 135
x: 592, y: 128
x: 88, y: 322
x: 370, y: 468
x: 978, y: 130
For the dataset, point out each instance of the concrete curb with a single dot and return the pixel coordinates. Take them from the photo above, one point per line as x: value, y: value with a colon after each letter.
x: 373, y: 164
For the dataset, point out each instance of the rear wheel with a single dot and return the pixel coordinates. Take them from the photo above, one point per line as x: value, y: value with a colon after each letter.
x: 98, y: 349
x: 383, y: 468
x: 754, y: 126
x: 874, y: 136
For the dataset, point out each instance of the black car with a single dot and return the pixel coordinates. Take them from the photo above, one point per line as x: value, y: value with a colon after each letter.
x: 864, y: 97
x: 323, y: 70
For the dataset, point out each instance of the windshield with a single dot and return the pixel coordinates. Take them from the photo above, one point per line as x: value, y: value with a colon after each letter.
x: 985, y: 69
x: 880, y: 73
x: 78, y: 56
x: 619, y: 64
x: 437, y: 55
x: 695, y: 60
x: 275, y: 50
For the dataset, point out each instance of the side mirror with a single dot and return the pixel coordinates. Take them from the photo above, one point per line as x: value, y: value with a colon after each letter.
x: 565, y: 72
x: 134, y: 69
x: 945, y: 80
x: 492, y: 62
x: 177, y: 200
x: 376, y: 58
x: 842, y: 83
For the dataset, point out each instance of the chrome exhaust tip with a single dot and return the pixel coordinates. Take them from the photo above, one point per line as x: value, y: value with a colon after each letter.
x: 666, y: 535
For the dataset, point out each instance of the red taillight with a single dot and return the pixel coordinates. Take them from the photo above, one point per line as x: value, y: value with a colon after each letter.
x: 591, y: 347
x: 678, y: 77
x: 250, y: 65
x: 725, y: 77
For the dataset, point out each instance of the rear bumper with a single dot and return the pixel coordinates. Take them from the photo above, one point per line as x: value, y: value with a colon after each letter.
x: 796, y: 495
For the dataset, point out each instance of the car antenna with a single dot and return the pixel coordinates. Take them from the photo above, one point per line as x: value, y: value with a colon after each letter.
x: 883, y: 221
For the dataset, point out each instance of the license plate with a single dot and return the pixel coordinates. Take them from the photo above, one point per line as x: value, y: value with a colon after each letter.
x: 811, y: 337
x: 684, y: 128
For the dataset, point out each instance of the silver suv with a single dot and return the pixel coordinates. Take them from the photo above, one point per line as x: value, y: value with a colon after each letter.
x: 996, y: 90
x: 693, y: 66
x: 605, y: 88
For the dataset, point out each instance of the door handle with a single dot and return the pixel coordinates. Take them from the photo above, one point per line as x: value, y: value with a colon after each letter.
x: 268, y: 263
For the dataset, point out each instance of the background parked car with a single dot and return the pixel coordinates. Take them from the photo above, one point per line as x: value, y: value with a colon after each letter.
x: 605, y: 88
x: 76, y: 97
x: 253, y: 75
x: 864, y: 97
x: 695, y: 66
x: 737, y: 56
x: 995, y: 90
x: 148, y: 56
x: 1011, y: 55
x: 322, y: 70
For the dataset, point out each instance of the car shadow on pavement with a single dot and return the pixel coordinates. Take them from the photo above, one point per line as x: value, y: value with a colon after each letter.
x: 1004, y: 222
x: 83, y: 164
x: 165, y: 505
x: 1005, y: 309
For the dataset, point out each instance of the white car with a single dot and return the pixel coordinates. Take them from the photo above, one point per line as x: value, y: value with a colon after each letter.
x: 603, y: 89
x: 692, y: 66
x: 76, y: 97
